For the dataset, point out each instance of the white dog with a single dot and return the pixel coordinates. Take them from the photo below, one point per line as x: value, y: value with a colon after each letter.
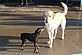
x: 52, y: 22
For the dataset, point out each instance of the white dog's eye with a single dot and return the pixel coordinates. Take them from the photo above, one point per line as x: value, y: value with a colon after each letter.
x: 49, y: 15
x: 44, y: 15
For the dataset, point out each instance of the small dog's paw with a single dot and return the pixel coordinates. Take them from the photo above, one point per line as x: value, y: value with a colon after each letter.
x: 38, y: 47
x: 22, y: 49
x: 36, y: 51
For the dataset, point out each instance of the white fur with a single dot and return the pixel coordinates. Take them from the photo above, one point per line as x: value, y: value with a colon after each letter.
x: 52, y: 22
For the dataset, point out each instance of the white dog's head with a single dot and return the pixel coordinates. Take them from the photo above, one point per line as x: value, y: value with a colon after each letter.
x: 48, y: 15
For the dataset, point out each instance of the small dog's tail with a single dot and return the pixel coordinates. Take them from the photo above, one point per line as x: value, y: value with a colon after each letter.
x: 65, y: 8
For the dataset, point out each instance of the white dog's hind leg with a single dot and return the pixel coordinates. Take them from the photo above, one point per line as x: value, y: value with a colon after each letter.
x: 63, y: 24
x: 62, y: 34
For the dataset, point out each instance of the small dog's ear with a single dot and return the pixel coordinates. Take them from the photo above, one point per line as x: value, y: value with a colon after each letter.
x: 42, y: 28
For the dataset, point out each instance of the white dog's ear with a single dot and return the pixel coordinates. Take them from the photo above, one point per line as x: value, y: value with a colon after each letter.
x: 53, y: 15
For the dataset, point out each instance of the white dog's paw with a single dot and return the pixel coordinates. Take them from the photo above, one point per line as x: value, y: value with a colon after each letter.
x: 50, y: 46
x: 54, y: 38
x: 48, y: 42
x: 62, y: 38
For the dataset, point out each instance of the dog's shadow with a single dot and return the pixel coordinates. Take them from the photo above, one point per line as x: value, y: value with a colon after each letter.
x: 12, y: 44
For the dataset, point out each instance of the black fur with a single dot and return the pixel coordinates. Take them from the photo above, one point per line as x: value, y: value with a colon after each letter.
x: 33, y: 37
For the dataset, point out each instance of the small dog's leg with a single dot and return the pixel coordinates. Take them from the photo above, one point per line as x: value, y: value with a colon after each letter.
x: 37, y: 46
x: 22, y: 48
x: 22, y: 45
x: 35, y: 50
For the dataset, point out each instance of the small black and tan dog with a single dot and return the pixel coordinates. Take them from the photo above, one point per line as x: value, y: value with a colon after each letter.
x: 33, y: 37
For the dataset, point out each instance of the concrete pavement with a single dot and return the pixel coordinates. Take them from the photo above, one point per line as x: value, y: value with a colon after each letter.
x: 10, y: 41
x: 13, y: 24
x: 17, y: 21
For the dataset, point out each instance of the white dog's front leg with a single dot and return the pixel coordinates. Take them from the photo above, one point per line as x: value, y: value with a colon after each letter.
x: 50, y: 39
x: 51, y: 34
x: 55, y: 34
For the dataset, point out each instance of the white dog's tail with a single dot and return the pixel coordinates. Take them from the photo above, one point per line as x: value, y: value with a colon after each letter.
x: 65, y: 8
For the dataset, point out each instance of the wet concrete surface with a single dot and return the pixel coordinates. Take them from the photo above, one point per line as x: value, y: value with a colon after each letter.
x: 10, y: 41
x: 11, y: 26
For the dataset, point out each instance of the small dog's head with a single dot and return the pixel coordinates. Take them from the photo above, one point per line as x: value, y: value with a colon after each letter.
x: 48, y: 15
x: 39, y: 30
